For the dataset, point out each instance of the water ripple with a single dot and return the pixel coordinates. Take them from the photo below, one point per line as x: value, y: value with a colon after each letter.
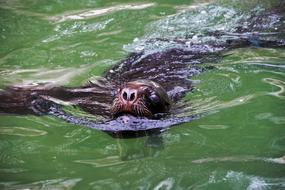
x: 87, y: 14
x: 47, y: 78
x: 76, y: 28
x: 12, y: 170
x: 278, y: 83
x: 238, y: 180
x: 60, y: 183
x: 274, y: 65
x: 269, y: 116
x: 104, y: 162
x: 21, y: 131
x: 214, y: 126
x: 279, y: 143
x: 280, y: 160
x: 210, y: 105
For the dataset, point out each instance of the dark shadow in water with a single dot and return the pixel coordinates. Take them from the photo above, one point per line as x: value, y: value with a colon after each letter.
x: 151, y: 147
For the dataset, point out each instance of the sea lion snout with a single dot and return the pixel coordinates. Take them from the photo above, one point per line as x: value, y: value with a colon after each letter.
x: 140, y: 98
x: 129, y: 94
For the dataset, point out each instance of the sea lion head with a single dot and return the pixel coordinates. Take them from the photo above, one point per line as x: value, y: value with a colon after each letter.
x: 142, y: 98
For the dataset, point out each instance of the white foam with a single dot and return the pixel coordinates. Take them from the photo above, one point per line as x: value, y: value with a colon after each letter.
x: 166, y: 184
x: 257, y: 184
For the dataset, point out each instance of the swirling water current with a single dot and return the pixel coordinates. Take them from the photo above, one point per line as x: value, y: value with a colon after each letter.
x: 238, y: 142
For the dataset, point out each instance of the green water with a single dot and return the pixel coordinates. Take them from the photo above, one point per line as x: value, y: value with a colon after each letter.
x: 237, y: 143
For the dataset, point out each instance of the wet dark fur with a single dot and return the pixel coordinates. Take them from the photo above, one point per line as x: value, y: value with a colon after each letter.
x: 172, y: 69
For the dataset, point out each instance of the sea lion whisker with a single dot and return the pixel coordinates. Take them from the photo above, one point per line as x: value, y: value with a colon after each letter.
x: 136, y: 108
x: 116, y: 107
x: 142, y: 109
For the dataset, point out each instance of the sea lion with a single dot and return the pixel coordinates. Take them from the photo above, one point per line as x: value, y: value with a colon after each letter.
x: 171, y: 68
x: 143, y: 98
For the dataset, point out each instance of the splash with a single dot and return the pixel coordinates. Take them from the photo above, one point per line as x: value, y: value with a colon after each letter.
x: 64, y: 31
x: 191, y: 24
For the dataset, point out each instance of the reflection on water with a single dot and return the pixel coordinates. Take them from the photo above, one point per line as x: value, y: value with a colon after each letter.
x: 279, y: 143
x: 213, y: 126
x: 83, y: 15
x: 45, y: 184
x: 232, y: 75
x: 77, y: 28
x: 211, y: 105
x: 48, y: 78
x: 238, y: 180
x: 278, y: 83
x: 104, y: 162
x: 128, y: 152
x: 237, y: 142
x: 268, y: 116
x: 280, y: 160
x: 252, y: 181
x: 21, y: 131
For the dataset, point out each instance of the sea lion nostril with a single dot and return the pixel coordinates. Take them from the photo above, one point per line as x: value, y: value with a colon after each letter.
x: 132, y: 97
x: 125, y: 96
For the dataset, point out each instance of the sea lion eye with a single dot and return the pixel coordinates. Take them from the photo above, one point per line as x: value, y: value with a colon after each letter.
x: 154, y: 98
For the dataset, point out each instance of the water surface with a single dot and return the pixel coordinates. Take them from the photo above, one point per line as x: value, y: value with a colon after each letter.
x: 237, y: 143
